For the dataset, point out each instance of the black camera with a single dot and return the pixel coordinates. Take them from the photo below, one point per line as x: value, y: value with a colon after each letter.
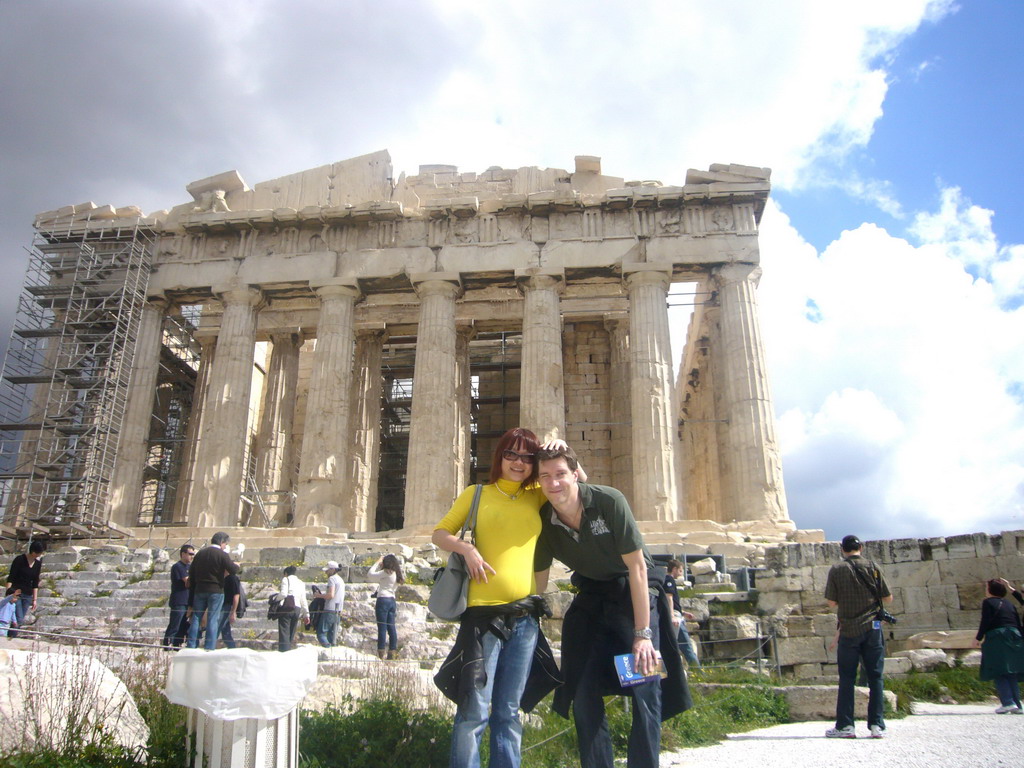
x: 884, y: 615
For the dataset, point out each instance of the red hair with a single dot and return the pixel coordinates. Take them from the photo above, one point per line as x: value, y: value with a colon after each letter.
x: 528, y: 443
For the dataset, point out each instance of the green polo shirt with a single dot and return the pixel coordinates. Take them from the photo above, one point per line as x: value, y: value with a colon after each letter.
x: 607, y: 532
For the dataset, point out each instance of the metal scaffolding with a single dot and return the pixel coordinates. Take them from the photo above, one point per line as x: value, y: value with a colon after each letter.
x: 66, y: 373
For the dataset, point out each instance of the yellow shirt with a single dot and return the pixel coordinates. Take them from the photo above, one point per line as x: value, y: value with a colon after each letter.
x: 506, y: 535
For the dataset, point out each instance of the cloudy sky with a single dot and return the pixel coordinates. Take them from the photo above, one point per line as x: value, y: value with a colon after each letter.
x: 893, y: 247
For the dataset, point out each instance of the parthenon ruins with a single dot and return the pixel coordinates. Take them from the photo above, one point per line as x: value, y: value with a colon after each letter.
x: 342, y: 348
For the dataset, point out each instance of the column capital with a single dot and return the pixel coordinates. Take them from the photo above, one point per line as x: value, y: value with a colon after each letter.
x: 335, y: 288
x: 533, y: 279
x: 238, y: 294
x: 734, y: 273
x: 158, y: 301
x: 436, y: 283
x: 372, y: 331
x: 466, y: 328
x: 616, y: 321
x: 646, y: 274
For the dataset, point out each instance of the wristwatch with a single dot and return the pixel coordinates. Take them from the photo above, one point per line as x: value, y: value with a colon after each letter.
x: 644, y: 633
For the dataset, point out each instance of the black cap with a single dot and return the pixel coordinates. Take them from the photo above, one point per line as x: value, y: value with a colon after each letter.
x: 851, y: 543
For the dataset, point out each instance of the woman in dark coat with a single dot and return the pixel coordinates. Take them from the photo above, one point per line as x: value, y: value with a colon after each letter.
x: 1002, y: 647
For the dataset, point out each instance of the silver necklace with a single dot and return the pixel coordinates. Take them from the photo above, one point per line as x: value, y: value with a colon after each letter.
x: 511, y: 497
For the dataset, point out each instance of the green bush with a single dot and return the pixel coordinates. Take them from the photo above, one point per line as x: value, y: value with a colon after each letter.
x: 378, y: 732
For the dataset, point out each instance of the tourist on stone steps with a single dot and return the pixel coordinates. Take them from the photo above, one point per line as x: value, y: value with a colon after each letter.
x: 857, y: 589
x: 229, y: 613
x: 387, y: 572
x: 679, y: 616
x: 25, y: 572
x: 206, y: 577
x: 620, y: 608
x: 177, y: 625
x: 288, y: 624
x: 487, y: 669
x: 1002, y: 647
x: 334, y: 604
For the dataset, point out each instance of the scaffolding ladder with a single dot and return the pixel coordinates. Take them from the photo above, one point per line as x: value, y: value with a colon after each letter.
x: 66, y: 373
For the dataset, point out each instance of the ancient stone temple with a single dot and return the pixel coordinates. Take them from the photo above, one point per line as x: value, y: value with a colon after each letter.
x: 341, y: 347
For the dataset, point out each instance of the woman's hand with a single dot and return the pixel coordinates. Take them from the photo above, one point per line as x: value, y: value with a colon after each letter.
x: 557, y: 444
x: 477, y: 566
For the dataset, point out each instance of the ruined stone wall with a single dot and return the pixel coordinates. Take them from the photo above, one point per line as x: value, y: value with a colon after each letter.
x: 587, y: 374
x: 937, y: 586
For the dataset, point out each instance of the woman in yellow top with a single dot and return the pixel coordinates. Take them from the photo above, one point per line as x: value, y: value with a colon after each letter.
x: 501, y: 566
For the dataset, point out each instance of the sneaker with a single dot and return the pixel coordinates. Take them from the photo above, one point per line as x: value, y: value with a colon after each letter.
x: 1017, y: 711
x: 877, y: 732
x: 1006, y: 709
x: 841, y: 733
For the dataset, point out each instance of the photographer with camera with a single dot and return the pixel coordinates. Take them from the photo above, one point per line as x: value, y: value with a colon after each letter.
x: 857, y: 590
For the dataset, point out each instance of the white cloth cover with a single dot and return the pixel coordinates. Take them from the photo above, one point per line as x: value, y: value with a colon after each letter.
x: 239, y: 683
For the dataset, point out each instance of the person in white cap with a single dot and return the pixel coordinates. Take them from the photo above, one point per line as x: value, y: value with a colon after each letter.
x: 334, y: 601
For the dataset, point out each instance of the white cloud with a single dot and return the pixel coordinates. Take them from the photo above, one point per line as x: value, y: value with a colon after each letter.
x: 899, y: 392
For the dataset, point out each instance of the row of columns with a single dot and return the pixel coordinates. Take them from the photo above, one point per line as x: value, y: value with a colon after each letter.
x: 339, y: 451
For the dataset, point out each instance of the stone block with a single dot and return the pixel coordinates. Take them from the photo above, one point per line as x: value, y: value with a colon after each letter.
x: 806, y: 671
x: 701, y: 567
x: 733, y: 628
x: 1013, y: 542
x: 819, y: 577
x: 912, y: 574
x: 944, y: 598
x: 964, y: 570
x: 808, y: 536
x: 960, y: 639
x: 962, y: 546
x: 904, y: 550
x: 818, y: 702
x: 926, y: 659
x: 915, y: 600
x: 707, y: 537
x: 733, y: 550
x: 60, y: 561
x: 802, y: 650
x: 934, y: 549
x: 898, y: 665
x: 788, y: 581
x: 317, y: 555
x: 773, y: 602
x: 814, y: 602
x: 281, y: 556
x: 965, y: 619
x: 971, y: 659
x: 1010, y: 566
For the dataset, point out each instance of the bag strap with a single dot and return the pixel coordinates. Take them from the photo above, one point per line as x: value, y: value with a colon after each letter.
x: 865, y: 580
x: 470, y: 523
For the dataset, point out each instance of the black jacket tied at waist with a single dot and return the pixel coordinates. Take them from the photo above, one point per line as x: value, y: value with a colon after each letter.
x: 600, y: 622
x: 463, y: 670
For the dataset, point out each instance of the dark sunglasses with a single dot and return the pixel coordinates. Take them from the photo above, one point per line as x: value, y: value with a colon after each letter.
x: 526, y: 458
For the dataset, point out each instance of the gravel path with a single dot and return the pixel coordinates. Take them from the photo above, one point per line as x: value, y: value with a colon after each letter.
x: 936, y: 736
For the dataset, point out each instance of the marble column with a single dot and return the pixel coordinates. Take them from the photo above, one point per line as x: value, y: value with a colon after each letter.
x: 133, y: 441
x: 323, y: 468
x: 274, y: 463
x: 464, y: 404
x: 620, y: 415
x: 541, y: 388
x: 190, y: 478
x: 753, y: 455
x: 433, y: 440
x: 225, y: 421
x: 654, y: 482
x: 364, y: 458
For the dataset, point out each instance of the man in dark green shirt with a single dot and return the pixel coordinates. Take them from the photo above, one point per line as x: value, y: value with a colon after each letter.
x: 620, y: 608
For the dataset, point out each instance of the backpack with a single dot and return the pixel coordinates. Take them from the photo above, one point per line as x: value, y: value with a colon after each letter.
x: 243, y: 600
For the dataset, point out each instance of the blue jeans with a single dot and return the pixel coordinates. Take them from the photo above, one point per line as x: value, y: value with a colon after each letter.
x: 225, y: 628
x: 177, y: 628
x: 1008, y: 690
x: 685, y: 646
x: 386, y: 610
x: 868, y: 647
x: 21, y: 606
x: 211, y: 603
x: 507, y: 664
x: 327, y: 628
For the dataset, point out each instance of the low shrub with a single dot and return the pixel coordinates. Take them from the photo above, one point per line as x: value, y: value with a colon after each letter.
x: 946, y: 684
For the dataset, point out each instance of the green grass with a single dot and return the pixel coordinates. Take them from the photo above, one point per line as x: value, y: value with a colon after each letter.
x: 961, y: 684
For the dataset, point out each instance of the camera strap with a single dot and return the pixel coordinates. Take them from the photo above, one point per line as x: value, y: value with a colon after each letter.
x: 872, y: 586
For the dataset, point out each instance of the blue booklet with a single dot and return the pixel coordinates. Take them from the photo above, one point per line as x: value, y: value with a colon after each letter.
x: 625, y: 667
